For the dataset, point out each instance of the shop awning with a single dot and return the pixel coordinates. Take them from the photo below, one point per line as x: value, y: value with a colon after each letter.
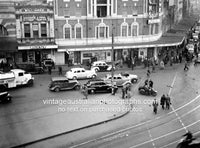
x: 164, y: 41
x: 8, y: 44
x: 174, y: 37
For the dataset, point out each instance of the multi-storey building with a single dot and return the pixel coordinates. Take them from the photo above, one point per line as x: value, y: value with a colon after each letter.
x: 84, y: 28
x: 8, y: 45
x: 35, y: 31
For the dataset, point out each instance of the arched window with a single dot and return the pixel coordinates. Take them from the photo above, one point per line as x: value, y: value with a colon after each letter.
x: 102, y: 31
x: 134, y: 29
x: 67, y: 31
x: 124, y: 29
x: 3, y: 31
x: 78, y: 31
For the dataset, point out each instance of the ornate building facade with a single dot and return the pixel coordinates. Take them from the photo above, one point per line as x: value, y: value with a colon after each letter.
x: 35, y: 31
x: 8, y: 45
x: 84, y: 28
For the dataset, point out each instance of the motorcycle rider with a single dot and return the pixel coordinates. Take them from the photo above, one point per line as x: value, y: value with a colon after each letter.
x: 189, y: 137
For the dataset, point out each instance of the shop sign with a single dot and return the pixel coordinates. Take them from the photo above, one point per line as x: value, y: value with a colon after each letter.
x: 33, y: 10
x: 153, y: 21
x: 38, y: 47
x: 34, y: 18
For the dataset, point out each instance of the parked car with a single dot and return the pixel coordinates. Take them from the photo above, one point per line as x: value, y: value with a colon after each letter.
x: 80, y: 73
x: 118, y: 79
x: 62, y: 83
x: 95, y: 86
x: 31, y: 68
x: 99, y: 66
x: 5, y: 97
x: 132, y: 77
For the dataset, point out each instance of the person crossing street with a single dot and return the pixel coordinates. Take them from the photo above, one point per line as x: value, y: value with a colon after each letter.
x: 155, y: 106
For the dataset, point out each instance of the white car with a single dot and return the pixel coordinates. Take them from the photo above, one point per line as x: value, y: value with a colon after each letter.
x: 118, y: 79
x: 80, y: 73
x: 132, y: 77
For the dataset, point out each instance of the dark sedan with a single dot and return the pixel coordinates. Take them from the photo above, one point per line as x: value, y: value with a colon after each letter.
x: 95, y: 86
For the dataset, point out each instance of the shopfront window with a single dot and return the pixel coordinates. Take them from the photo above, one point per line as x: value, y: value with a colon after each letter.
x: 43, y: 30
x: 27, y: 31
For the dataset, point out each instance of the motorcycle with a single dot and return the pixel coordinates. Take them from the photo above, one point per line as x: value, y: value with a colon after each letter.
x: 147, y: 91
x: 188, y: 142
x: 5, y: 97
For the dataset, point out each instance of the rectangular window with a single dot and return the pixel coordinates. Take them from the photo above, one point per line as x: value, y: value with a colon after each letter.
x: 35, y: 31
x: 27, y: 31
x: 124, y: 31
x: 67, y: 33
x: 102, y: 32
x: 101, y: 11
x: 43, y: 30
x: 78, y: 32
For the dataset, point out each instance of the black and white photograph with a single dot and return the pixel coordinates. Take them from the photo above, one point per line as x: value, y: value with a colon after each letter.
x: 99, y: 74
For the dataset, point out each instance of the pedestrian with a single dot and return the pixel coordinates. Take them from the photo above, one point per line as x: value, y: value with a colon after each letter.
x: 148, y: 73
x: 155, y: 106
x: 49, y: 70
x: 123, y: 93
x: 150, y: 83
x: 162, y: 101
x: 114, y: 89
x: 60, y: 70
x: 186, y: 66
x: 133, y: 63
x: 146, y: 82
x: 162, y: 65
x: 85, y: 91
x: 180, y: 58
x: 168, y: 102
x: 153, y: 66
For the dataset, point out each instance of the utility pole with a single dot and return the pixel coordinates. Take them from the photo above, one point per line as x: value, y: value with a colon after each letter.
x: 112, y: 54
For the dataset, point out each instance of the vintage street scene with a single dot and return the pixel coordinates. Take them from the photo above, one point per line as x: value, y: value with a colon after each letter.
x: 99, y: 74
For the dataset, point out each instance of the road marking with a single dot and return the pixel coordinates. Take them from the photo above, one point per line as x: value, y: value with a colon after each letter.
x: 157, y: 138
x: 134, y: 126
x: 167, y: 145
x: 170, y: 90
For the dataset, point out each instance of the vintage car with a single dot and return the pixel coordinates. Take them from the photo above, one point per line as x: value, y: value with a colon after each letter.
x: 100, y: 66
x: 98, y: 85
x: 118, y: 79
x: 80, y: 73
x: 62, y: 83
x: 132, y: 77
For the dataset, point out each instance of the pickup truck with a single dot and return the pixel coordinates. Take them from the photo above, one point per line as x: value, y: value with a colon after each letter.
x: 16, y: 77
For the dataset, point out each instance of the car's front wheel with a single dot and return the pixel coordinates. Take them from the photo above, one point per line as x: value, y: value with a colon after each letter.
x: 94, y: 76
x: 57, y: 89
x: 134, y: 80
x: 77, y: 87
x: 74, y: 78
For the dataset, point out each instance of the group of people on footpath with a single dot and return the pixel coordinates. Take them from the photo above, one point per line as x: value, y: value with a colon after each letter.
x: 165, y: 102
